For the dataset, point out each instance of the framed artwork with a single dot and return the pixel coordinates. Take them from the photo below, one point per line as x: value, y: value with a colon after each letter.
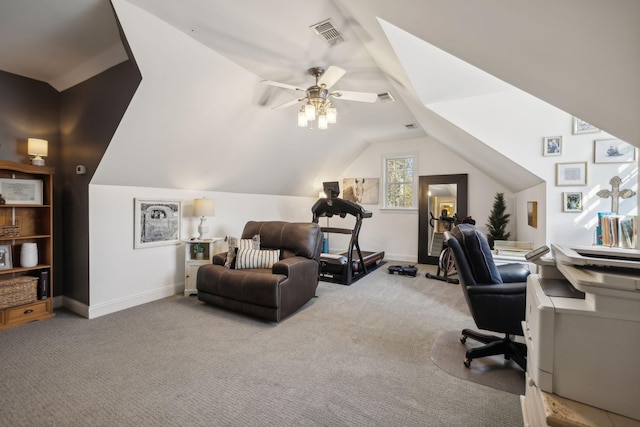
x: 21, y: 191
x: 613, y: 151
x: 532, y: 214
x: 361, y: 190
x: 571, y: 201
x: 6, y: 262
x: 552, y: 145
x: 571, y: 173
x: 580, y: 126
x: 156, y: 222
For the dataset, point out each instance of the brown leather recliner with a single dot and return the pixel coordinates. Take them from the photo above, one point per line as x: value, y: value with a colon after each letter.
x: 271, y: 294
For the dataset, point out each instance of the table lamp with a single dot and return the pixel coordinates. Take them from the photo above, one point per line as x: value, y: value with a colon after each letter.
x: 203, y: 207
x: 37, y: 147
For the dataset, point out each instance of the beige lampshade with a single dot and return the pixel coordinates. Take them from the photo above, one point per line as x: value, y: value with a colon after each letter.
x: 37, y: 147
x: 203, y: 207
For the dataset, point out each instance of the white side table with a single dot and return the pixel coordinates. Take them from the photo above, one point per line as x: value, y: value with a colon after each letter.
x: 195, y: 258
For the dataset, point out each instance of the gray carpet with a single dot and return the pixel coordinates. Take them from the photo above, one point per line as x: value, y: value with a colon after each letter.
x: 493, y: 371
x: 357, y: 355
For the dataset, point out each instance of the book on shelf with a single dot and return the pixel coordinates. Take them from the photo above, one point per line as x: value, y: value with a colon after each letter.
x: 616, y: 230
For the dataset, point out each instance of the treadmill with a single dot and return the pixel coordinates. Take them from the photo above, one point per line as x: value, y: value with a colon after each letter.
x: 347, y: 267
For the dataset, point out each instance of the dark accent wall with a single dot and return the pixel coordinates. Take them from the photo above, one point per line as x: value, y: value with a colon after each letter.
x: 90, y: 113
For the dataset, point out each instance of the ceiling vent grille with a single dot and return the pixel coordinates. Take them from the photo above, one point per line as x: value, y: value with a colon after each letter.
x: 411, y: 126
x: 386, y: 97
x: 328, y: 32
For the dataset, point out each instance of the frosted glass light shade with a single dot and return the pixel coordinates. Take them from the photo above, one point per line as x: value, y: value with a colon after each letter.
x: 322, y: 121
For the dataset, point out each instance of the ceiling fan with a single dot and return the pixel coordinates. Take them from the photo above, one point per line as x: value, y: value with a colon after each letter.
x: 318, y: 102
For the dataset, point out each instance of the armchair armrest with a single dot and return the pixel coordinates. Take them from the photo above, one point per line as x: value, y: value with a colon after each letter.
x: 288, y: 265
x: 219, y: 259
x: 514, y: 272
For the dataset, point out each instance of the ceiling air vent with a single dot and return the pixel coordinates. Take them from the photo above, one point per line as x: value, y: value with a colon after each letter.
x: 411, y: 126
x: 328, y: 32
x: 386, y: 97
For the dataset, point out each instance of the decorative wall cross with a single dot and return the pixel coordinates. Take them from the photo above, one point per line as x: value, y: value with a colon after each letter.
x: 615, y: 193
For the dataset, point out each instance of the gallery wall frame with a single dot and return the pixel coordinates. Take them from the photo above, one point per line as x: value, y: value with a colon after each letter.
x: 157, y: 222
x: 574, y: 173
x: 552, y: 145
x: 613, y: 151
x: 532, y: 214
x: 572, y: 201
x: 580, y: 126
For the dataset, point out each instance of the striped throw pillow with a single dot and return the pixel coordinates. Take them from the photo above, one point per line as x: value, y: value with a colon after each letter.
x: 235, y: 244
x: 252, y: 258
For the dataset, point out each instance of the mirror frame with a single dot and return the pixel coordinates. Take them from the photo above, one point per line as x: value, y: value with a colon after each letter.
x: 423, y: 209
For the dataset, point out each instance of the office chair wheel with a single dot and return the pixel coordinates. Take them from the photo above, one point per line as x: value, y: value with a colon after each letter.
x: 463, y: 339
x: 467, y: 362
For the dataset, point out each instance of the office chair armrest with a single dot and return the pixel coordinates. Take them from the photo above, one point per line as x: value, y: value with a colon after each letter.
x: 498, y: 289
x: 514, y: 272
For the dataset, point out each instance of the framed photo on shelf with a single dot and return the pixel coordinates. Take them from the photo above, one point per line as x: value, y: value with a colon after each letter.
x: 572, y: 201
x: 6, y: 262
x: 580, y: 126
x: 613, y: 151
x: 571, y: 173
x: 156, y: 222
x: 21, y: 191
x: 552, y: 145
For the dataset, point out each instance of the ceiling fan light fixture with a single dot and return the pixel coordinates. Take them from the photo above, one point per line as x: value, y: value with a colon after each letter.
x: 302, y: 118
x: 332, y: 114
x: 310, y: 111
x: 322, y: 121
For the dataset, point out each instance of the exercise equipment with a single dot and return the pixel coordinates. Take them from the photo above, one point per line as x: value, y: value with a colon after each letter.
x: 446, y: 266
x: 352, y: 265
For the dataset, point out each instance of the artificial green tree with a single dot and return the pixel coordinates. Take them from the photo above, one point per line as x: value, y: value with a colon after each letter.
x: 498, y: 220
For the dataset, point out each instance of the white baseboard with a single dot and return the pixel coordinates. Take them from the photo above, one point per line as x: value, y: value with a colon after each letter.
x: 97, y: 310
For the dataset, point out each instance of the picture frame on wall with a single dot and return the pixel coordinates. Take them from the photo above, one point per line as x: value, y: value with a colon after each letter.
x: 21, y: 191
x: 572, y: 201
x: 580, y: 126
x: 568, y: 174
x: 552, y: 145
x: 532, y: 214
x: 613, y: 151
x: 157, y: 222
x: 6, y: 261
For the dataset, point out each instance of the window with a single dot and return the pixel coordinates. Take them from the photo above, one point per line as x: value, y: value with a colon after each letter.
x: 399, y: 182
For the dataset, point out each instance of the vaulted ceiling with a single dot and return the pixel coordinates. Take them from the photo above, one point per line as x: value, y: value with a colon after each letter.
x: 581, y: 56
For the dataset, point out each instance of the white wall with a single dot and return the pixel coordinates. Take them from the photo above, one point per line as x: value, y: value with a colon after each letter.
x: 396, y: 232
x: 122, y: 277
x: 518, y: 133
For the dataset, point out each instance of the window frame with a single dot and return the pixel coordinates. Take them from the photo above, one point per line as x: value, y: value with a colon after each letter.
x: 414, y: 183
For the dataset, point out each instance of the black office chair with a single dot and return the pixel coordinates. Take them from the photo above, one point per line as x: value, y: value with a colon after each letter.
x: 495, y: 295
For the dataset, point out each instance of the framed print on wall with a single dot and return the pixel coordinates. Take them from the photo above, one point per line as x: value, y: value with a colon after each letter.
x: 580, y: 126
x: 552, y: 145
x: 571, y: 173
x: 572, y: 201
x: 613, y: 151
x: 156, y: 222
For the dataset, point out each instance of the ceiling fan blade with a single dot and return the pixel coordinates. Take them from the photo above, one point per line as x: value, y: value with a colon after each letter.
x: 331, y: 76
x: 288, y: 103
x: 355, y: 96
x: 282, y: 85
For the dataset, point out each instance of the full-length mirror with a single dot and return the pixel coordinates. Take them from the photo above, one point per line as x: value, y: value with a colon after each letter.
x: 442, y: 198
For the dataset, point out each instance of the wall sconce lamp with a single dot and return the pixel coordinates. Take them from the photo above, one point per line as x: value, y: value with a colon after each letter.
x: 203, y: 207
x: 37, y: 147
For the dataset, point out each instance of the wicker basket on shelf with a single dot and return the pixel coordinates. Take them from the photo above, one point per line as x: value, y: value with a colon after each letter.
x: 9, y: 230
x: 18, y: 291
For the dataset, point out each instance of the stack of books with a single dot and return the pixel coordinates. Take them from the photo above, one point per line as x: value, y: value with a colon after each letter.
x: 615, y: 230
